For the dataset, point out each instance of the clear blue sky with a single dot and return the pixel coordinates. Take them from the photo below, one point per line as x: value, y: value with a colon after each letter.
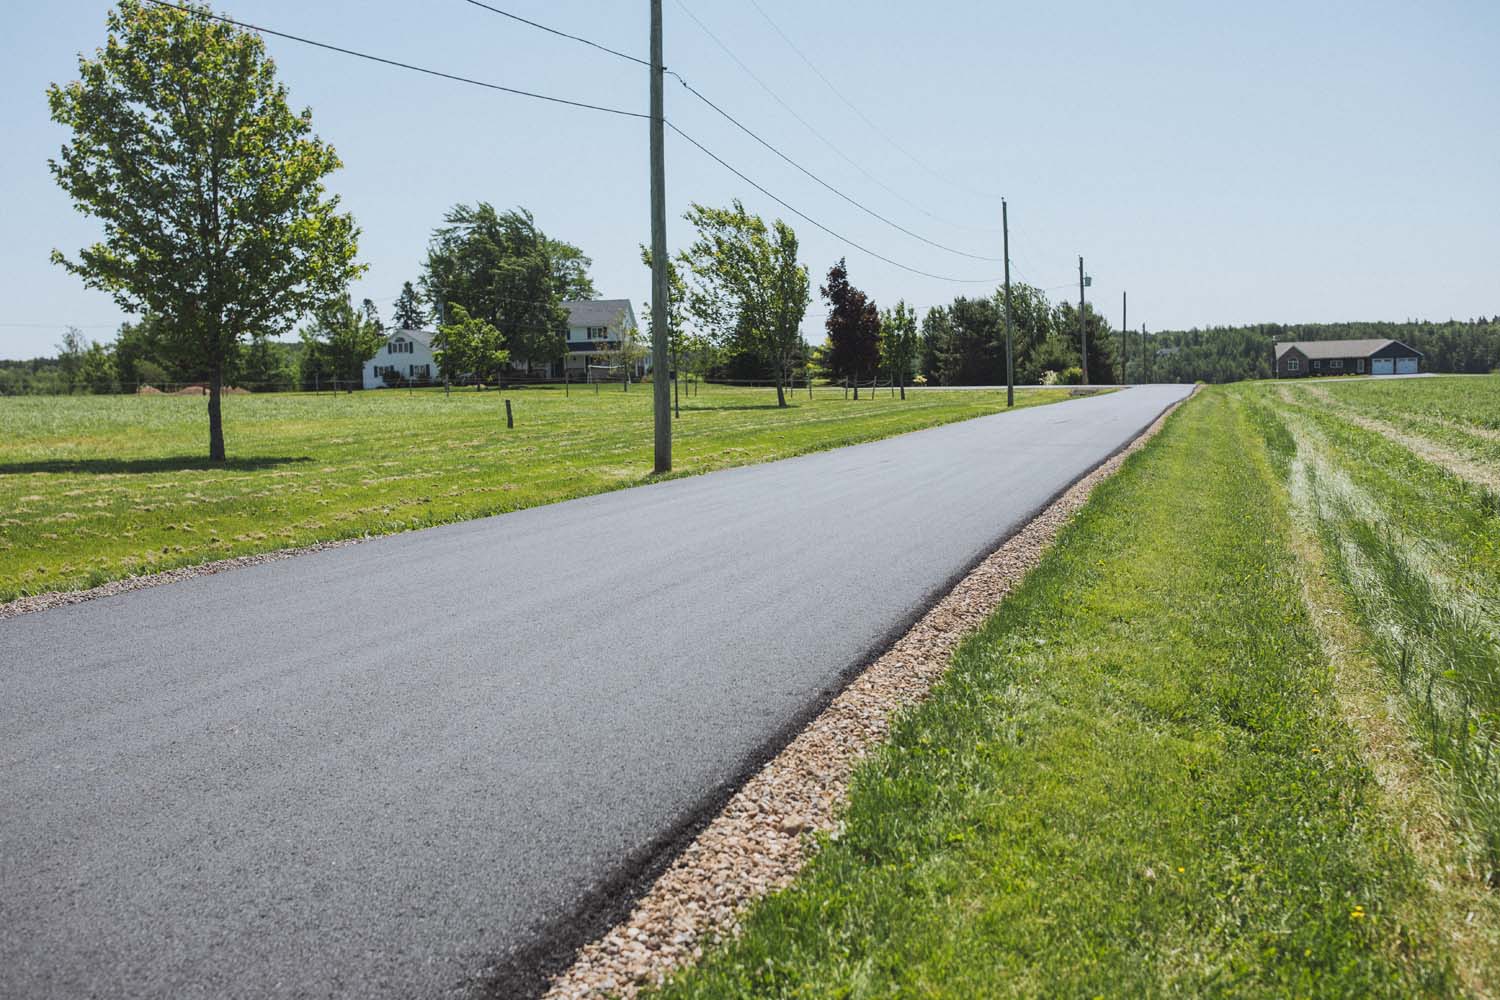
x: 1276, y: 161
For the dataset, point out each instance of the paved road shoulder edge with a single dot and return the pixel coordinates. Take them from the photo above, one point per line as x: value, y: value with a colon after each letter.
x: 750, y: 837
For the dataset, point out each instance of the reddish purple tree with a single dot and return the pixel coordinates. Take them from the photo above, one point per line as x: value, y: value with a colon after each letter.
x: 853, y: 327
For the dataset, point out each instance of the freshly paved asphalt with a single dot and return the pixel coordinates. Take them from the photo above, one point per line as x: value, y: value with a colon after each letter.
x: 374, y: 771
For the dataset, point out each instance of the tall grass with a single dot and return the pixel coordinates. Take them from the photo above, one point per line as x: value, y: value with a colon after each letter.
x: 1414, y: 548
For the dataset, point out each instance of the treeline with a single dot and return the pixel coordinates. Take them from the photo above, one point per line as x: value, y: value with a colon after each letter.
x: 964, y: 342
x: 1235, y: 353
x: 140, y: 356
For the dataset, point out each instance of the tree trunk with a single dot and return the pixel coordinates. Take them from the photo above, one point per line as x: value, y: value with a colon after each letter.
x: 780, y: 391
x: 215, y: 417
x: 903, y: 385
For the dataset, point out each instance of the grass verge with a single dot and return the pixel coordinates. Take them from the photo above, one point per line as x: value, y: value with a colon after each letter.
x: 1133, y: 781
x: 94, y: 489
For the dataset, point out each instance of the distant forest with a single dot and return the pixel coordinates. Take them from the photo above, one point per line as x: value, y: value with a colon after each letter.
x: 962, y: 344
x: 1234, y: 353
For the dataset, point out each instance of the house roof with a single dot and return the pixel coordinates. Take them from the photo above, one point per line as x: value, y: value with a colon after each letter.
x: 597, y: 312
x: 1322, y: 349
x: 423, y: 337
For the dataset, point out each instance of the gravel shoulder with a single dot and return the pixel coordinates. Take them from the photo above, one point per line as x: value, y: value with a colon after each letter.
x: 760, y: 840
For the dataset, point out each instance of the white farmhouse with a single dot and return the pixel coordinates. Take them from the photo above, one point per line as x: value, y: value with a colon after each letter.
x: 596, y: 329
x: 407, y: 353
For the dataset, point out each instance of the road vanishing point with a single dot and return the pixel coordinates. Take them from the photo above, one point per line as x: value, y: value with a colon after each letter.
x: 414, y: 766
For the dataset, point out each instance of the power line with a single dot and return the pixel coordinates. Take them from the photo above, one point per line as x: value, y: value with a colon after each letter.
x: 401, y: 65
x: 744, y: 128
x: 815, y: 223
x: 62, y: 326
x: 593, y: 107
x: 838, y: 151
x: 560, y: 34
x: 862, y: 116
x: 857, y: 204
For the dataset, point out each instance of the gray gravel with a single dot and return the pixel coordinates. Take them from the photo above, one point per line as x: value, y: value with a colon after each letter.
x: 376, y: 771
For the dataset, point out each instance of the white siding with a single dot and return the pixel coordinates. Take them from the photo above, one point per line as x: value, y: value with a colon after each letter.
x: 405, y: 350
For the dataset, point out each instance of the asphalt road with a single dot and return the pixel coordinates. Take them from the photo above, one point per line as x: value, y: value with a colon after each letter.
x: 375, y: 771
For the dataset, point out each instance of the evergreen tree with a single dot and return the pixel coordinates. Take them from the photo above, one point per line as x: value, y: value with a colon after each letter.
x: 409, y: 313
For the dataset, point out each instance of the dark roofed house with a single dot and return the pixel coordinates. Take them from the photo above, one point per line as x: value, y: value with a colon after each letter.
x: 1346, y: 357
x: 595, y: 331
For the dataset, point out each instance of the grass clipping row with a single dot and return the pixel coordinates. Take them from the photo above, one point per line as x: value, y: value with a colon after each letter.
x: 757, y: 844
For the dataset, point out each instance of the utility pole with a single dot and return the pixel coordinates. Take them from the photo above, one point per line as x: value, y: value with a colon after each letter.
x: 1010, y: 367
x: 1124, y: 332
x: 1149, y: 355
x: 661, y: 289
x: 1083, y: 327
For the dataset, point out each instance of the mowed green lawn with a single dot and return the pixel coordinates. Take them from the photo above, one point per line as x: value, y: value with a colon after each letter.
x: 1135, y: 780
x: 98, y: 488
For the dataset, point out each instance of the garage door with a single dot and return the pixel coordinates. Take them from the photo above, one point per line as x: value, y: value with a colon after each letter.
x: 1382, y: 366
x: 1406, y: 366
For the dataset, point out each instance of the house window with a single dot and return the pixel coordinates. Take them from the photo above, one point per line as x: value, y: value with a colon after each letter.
x: 1292, y: 364
x: 1359, y: 365
x: 598, y: 333
x: 399, y: 347
x: 1336, y: 363
x: 420, y: 371
x: 1317, y: 363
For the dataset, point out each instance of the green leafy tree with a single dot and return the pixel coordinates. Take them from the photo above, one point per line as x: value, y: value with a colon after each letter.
x: 70, y: 355
x: 1030, y: 326
x: 631, y: 352
x: 1103, y: 343
x: 469, y: 347
x: 1048, y: 360
x: 974, y: 352
x: 266, y: 367
x: 209, y: 186
x: 688, y: 351
x: 339, y: 340
x: 899, y: 343
x: 409, y: 313
x: 504, y: 270
x: 98, y: 374
x: 143, y: 356
x: 853, y: 326
x: 937, y: 332
x: 747, y: 289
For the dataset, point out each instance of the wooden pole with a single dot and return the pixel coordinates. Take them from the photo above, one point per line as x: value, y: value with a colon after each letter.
x: 1010, y: 364
x: 661, y: 288
x: 1083, y: 327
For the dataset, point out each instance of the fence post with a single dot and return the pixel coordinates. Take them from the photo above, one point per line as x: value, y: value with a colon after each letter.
x: 510, y: 420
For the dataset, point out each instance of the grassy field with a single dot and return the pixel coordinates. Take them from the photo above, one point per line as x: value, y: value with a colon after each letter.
x: 1142, y: 775
x: 1398, y: 481
x: 97, y: 488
